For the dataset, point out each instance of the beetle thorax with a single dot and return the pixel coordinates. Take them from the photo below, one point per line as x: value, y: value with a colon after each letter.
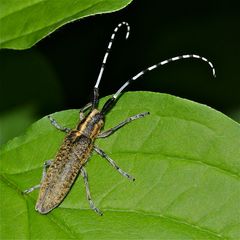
x: 92, y: 124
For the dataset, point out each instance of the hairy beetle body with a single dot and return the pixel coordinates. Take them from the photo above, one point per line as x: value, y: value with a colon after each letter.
x: 72, y: 155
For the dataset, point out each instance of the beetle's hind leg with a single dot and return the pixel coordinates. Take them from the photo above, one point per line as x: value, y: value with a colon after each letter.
x: 31, y: 189
x: 104, y: 155
x: 45, y: 166
x: 57, y: 126
x: 128, y: 120
x: 89, y: 198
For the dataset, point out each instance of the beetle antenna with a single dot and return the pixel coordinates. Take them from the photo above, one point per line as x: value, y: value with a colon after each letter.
x: 107, y: 106
x: 96, y: 87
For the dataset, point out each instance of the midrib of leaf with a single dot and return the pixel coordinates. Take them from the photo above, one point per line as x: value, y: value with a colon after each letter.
x: 66, y: 229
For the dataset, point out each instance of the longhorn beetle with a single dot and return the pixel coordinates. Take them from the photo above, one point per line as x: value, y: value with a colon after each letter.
x: 59, y: 174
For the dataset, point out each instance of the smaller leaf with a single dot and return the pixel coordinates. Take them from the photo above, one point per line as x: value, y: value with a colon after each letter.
x: 23, y: 23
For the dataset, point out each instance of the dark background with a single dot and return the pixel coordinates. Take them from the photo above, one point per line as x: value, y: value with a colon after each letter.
x: 59, y: 72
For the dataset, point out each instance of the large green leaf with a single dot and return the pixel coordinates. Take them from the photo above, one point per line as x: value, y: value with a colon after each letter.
x: 186, y: 160
x: 25, y: 22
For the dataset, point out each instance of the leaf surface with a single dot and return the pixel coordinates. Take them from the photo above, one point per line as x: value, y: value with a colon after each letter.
x: 185, y: 157
x: 23, y: 23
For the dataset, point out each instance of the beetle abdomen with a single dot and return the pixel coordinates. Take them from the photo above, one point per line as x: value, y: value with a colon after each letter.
x: 62, y: 173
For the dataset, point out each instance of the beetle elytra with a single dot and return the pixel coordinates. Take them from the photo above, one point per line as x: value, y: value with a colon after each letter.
x: 60, y: 173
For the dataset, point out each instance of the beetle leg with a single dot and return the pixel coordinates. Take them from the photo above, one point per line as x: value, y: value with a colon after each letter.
x: 114, y: 129
x: 45, y: 166
x: 31, y: 189
x: 104, y: 155
x: 91, y: 203
x: 57, y: 126
x: 83, y: 109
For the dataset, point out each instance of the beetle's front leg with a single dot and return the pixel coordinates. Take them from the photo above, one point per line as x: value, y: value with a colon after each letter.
x: 121, y: 124
x: 83, y: 109
x: 57, y: 126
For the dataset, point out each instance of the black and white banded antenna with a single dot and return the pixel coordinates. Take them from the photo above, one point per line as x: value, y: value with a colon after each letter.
x: 111, y: 101
x: 96, y: 87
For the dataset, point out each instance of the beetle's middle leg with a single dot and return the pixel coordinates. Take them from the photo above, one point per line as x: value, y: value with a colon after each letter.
x: 104, y: 155
x: 45, y: 166
x: 91, y: 203
x: 114, y: 129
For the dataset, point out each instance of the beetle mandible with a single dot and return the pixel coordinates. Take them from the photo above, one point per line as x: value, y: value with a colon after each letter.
x: 59, y: 174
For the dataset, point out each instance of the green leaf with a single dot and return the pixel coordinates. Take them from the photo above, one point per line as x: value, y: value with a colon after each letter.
x: 185, y: 158
x: 23, y: 23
